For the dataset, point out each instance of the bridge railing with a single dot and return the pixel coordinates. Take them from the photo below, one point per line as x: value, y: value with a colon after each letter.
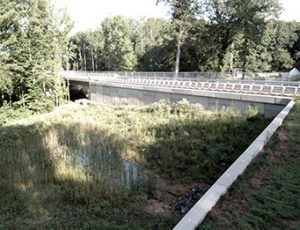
x: 191, y: 75
x: 184, y: 76
x: 233, y: 87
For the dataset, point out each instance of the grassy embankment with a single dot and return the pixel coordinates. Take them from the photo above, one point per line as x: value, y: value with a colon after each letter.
x: 267, y: 196
x: 59, y: 170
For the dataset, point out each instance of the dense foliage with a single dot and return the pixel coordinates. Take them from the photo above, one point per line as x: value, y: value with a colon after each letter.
x: 32, y: 40
x: 208, y: 36
x: 183, y: 13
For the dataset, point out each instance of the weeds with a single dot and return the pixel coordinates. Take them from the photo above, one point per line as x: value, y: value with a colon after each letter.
x: 80, y: 156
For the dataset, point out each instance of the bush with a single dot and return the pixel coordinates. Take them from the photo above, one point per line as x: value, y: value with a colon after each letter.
x: 8, y: 113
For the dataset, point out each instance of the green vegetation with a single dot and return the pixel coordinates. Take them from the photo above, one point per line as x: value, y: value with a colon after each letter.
x: 8, y: 113
x: 183, y: 14
x: 65, y: 165
x: 267, y: 196
x: 207, y: 35
x: 32, y: 40
x: 118, y: 55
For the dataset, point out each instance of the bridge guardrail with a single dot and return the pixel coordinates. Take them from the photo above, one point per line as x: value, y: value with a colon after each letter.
x: 189, y: 76
x: 276, y: 90
x: 193, y: 75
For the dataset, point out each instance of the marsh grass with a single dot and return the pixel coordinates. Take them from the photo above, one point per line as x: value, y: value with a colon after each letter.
x: 105, y: 146
x: 81, y: 156
x: 58, y: 150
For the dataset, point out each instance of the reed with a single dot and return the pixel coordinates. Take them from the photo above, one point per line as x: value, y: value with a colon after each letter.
x: 104, y: 148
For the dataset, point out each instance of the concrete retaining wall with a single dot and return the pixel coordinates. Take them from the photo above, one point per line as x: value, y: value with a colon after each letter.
x: 197, y: 214
x: 119, y: 94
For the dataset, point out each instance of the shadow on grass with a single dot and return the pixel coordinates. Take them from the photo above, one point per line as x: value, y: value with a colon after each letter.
x: 199, y: 149
x: 35, y: 154
x: 52, y: 172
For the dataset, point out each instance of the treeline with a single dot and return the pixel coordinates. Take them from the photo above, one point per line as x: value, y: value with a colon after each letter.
x: 33, y: 39
x: 123, y: 44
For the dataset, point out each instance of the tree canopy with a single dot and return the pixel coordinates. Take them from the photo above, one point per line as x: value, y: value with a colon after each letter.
x: 206, y: 35
x: 150, y: 45
x: 32, y: 40
x: 118, y: 52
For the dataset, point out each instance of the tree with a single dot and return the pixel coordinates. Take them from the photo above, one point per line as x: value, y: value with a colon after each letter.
x: 149, y: 33
x: 32, y: 40
x: 80, y: 42
x: 200, y: 51
x: 118, y: 52
x: 243, y: 19
x: 274, y: 51
x: 183, y: 11
x: 285, y: 36
x: 6, y: 87
x: 154, y: 46
x: 295, y: 50
x: 158, y: 58
x: 217, y: 42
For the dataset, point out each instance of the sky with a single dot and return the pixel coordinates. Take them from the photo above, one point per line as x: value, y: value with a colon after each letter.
x: 291, y: 10
x: 88, y: 14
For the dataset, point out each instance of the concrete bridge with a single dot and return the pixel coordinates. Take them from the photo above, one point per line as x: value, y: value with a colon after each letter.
x: 268, y: 96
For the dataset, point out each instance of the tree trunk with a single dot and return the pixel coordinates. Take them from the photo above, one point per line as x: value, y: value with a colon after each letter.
x: 231, y: 58
x: 68, y: 86
x: 93, y: 63
x: 67, y: 61
x: 177, y: 61
x: 84, y: 59
x: 80, y: 66
x: 96, y: 61
x: 226, y: 42
x: 245, y: 49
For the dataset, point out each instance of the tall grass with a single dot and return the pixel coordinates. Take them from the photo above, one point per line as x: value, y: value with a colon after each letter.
x: 105, y: 149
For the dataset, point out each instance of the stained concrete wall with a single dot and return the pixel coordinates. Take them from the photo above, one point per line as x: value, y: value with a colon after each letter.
x: 113, y: 93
